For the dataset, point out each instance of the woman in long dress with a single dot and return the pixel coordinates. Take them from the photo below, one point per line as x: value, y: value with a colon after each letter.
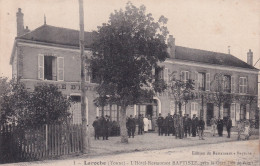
x: 146, y: 124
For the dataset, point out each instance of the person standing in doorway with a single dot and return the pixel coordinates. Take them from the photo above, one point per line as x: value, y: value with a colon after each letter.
x: 146, y: 124
x: 140, y: 124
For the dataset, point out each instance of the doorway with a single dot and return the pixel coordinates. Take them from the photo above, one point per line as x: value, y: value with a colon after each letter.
x: 210, y: 112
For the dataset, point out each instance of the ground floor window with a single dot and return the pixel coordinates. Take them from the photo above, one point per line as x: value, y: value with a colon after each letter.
x: 112, y: 111
x: 242, y: 112
x: 75, y: 110
x: 149, y: 109
x: 194, y: 109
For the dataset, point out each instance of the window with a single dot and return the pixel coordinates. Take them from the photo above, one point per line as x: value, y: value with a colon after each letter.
x: 194, y: 109
x: 87, y: 73
x: 201, y: 81
x: 242, y: 85
x: 227, y: 83
x: 111, y: 111
x: 242, y: 112
x: 75, y: 109
x: 226, y: 111
x: 207, y: 81
x: 185, y: 75
x: 50, y: 68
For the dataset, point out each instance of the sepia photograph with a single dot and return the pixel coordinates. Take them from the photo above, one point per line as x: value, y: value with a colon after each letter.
x: 129, y: 82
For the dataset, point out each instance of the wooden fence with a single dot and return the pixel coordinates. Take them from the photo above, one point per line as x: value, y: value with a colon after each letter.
x: 39, y: 143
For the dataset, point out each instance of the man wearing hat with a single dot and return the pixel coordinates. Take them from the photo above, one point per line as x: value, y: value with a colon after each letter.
x: 228, y: 126
x: 96, y: 128
x: 160, y: 124
x: 130, y: 125
x: 105, y: 126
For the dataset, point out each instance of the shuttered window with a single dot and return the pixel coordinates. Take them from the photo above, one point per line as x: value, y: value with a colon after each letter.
x: 233, y: 84
x: 237, y: 111
x: 242, y: 85
x: 194, y: 109
x: 40, y: 66
x: 185, y: 75
x: 232, y: 113
x: 60, y: 61
x: 207, y: 81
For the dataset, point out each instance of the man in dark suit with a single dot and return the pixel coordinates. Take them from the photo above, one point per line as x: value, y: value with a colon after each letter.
x: 160, y: 124
x: 201, y: 127
x: 194, y: 124
x: 228, y: 125
x: 96, y: 128
x: 171, y: 125
x: 140, y: 124
x: 105, y: 126
x: 220, y: 125
x: 130, y: 125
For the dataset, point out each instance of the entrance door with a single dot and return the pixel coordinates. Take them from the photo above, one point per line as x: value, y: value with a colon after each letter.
x: 149, y: 111
x: 210, y: 112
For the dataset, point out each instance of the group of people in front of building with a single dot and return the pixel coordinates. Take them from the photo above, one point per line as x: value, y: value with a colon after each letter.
x: 177, y: 125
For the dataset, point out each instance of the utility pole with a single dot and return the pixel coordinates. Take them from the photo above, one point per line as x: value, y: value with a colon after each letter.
x: 85, y: 133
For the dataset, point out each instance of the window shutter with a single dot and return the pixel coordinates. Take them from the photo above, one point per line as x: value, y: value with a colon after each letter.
x: 240, y: 85
x: 196, y: 81
x: 237, y: 111
x: 247, y: 111
x: 60, y: 65
x: 87, y: 73
x: 207, y: 81
x: 245, y: 85
x: 232, y: 114
x: 233, y: 84
x: 166, y: 75
x: 40, y: 67
x: 189, y: 75
x: 182, y: 75
x: 221, y: 111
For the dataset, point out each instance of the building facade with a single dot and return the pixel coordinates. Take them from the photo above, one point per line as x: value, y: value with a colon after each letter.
x: 51, y: 55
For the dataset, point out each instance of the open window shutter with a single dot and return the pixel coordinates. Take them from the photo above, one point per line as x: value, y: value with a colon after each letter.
x: 246, y: 85
x: 207, y: 81
x: 196, y: 81
x: 182, y: 75
x: 240, y: 85
x: 197, y: 109
x: 232, y: 114
x: 60, y: 65
x: 247, y: 111
x: 40, y: 67
x: 54, y: 69
x: 189, y: 75
x: 87, y: 73
x: 233, y: 84
x: 166, y: 75
x: 237, y: 111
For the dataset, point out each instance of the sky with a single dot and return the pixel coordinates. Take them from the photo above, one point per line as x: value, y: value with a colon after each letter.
x: 203, y: 24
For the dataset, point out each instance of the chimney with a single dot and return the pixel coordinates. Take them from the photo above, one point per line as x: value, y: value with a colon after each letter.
x: 171, y: 46
x: 250, y: 57
x: 19, y: 19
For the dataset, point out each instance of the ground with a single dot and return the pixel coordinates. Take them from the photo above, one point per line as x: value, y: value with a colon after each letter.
x: 148, y: 148
x: 242, y: 153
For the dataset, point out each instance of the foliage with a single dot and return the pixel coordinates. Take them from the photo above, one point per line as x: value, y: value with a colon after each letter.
x: 219, y: 95
x: 182, y: 91
x: 127, y: 48
x: 45, y: 105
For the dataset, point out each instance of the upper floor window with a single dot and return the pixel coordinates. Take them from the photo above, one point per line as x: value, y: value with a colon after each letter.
x: 201, y: 81
x: 185, y: 75
x: 50, y: 68
x: 227, y: 83
x: 242, y: 85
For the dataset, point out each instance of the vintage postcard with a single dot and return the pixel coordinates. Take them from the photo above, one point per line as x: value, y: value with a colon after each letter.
x: 129, y: 83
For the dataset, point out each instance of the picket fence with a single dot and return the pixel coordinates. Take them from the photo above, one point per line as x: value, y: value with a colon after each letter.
x: 39, y: 143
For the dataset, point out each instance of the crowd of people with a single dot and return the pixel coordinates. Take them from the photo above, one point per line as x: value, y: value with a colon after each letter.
x: 175, y: 125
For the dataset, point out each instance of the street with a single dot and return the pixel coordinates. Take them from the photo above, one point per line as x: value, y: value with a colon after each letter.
x: 229, y: 153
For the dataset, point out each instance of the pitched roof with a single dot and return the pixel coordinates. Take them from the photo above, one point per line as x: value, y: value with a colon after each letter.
x: 58, y: 35
x: 209, y: 57
x: 70, y: 37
